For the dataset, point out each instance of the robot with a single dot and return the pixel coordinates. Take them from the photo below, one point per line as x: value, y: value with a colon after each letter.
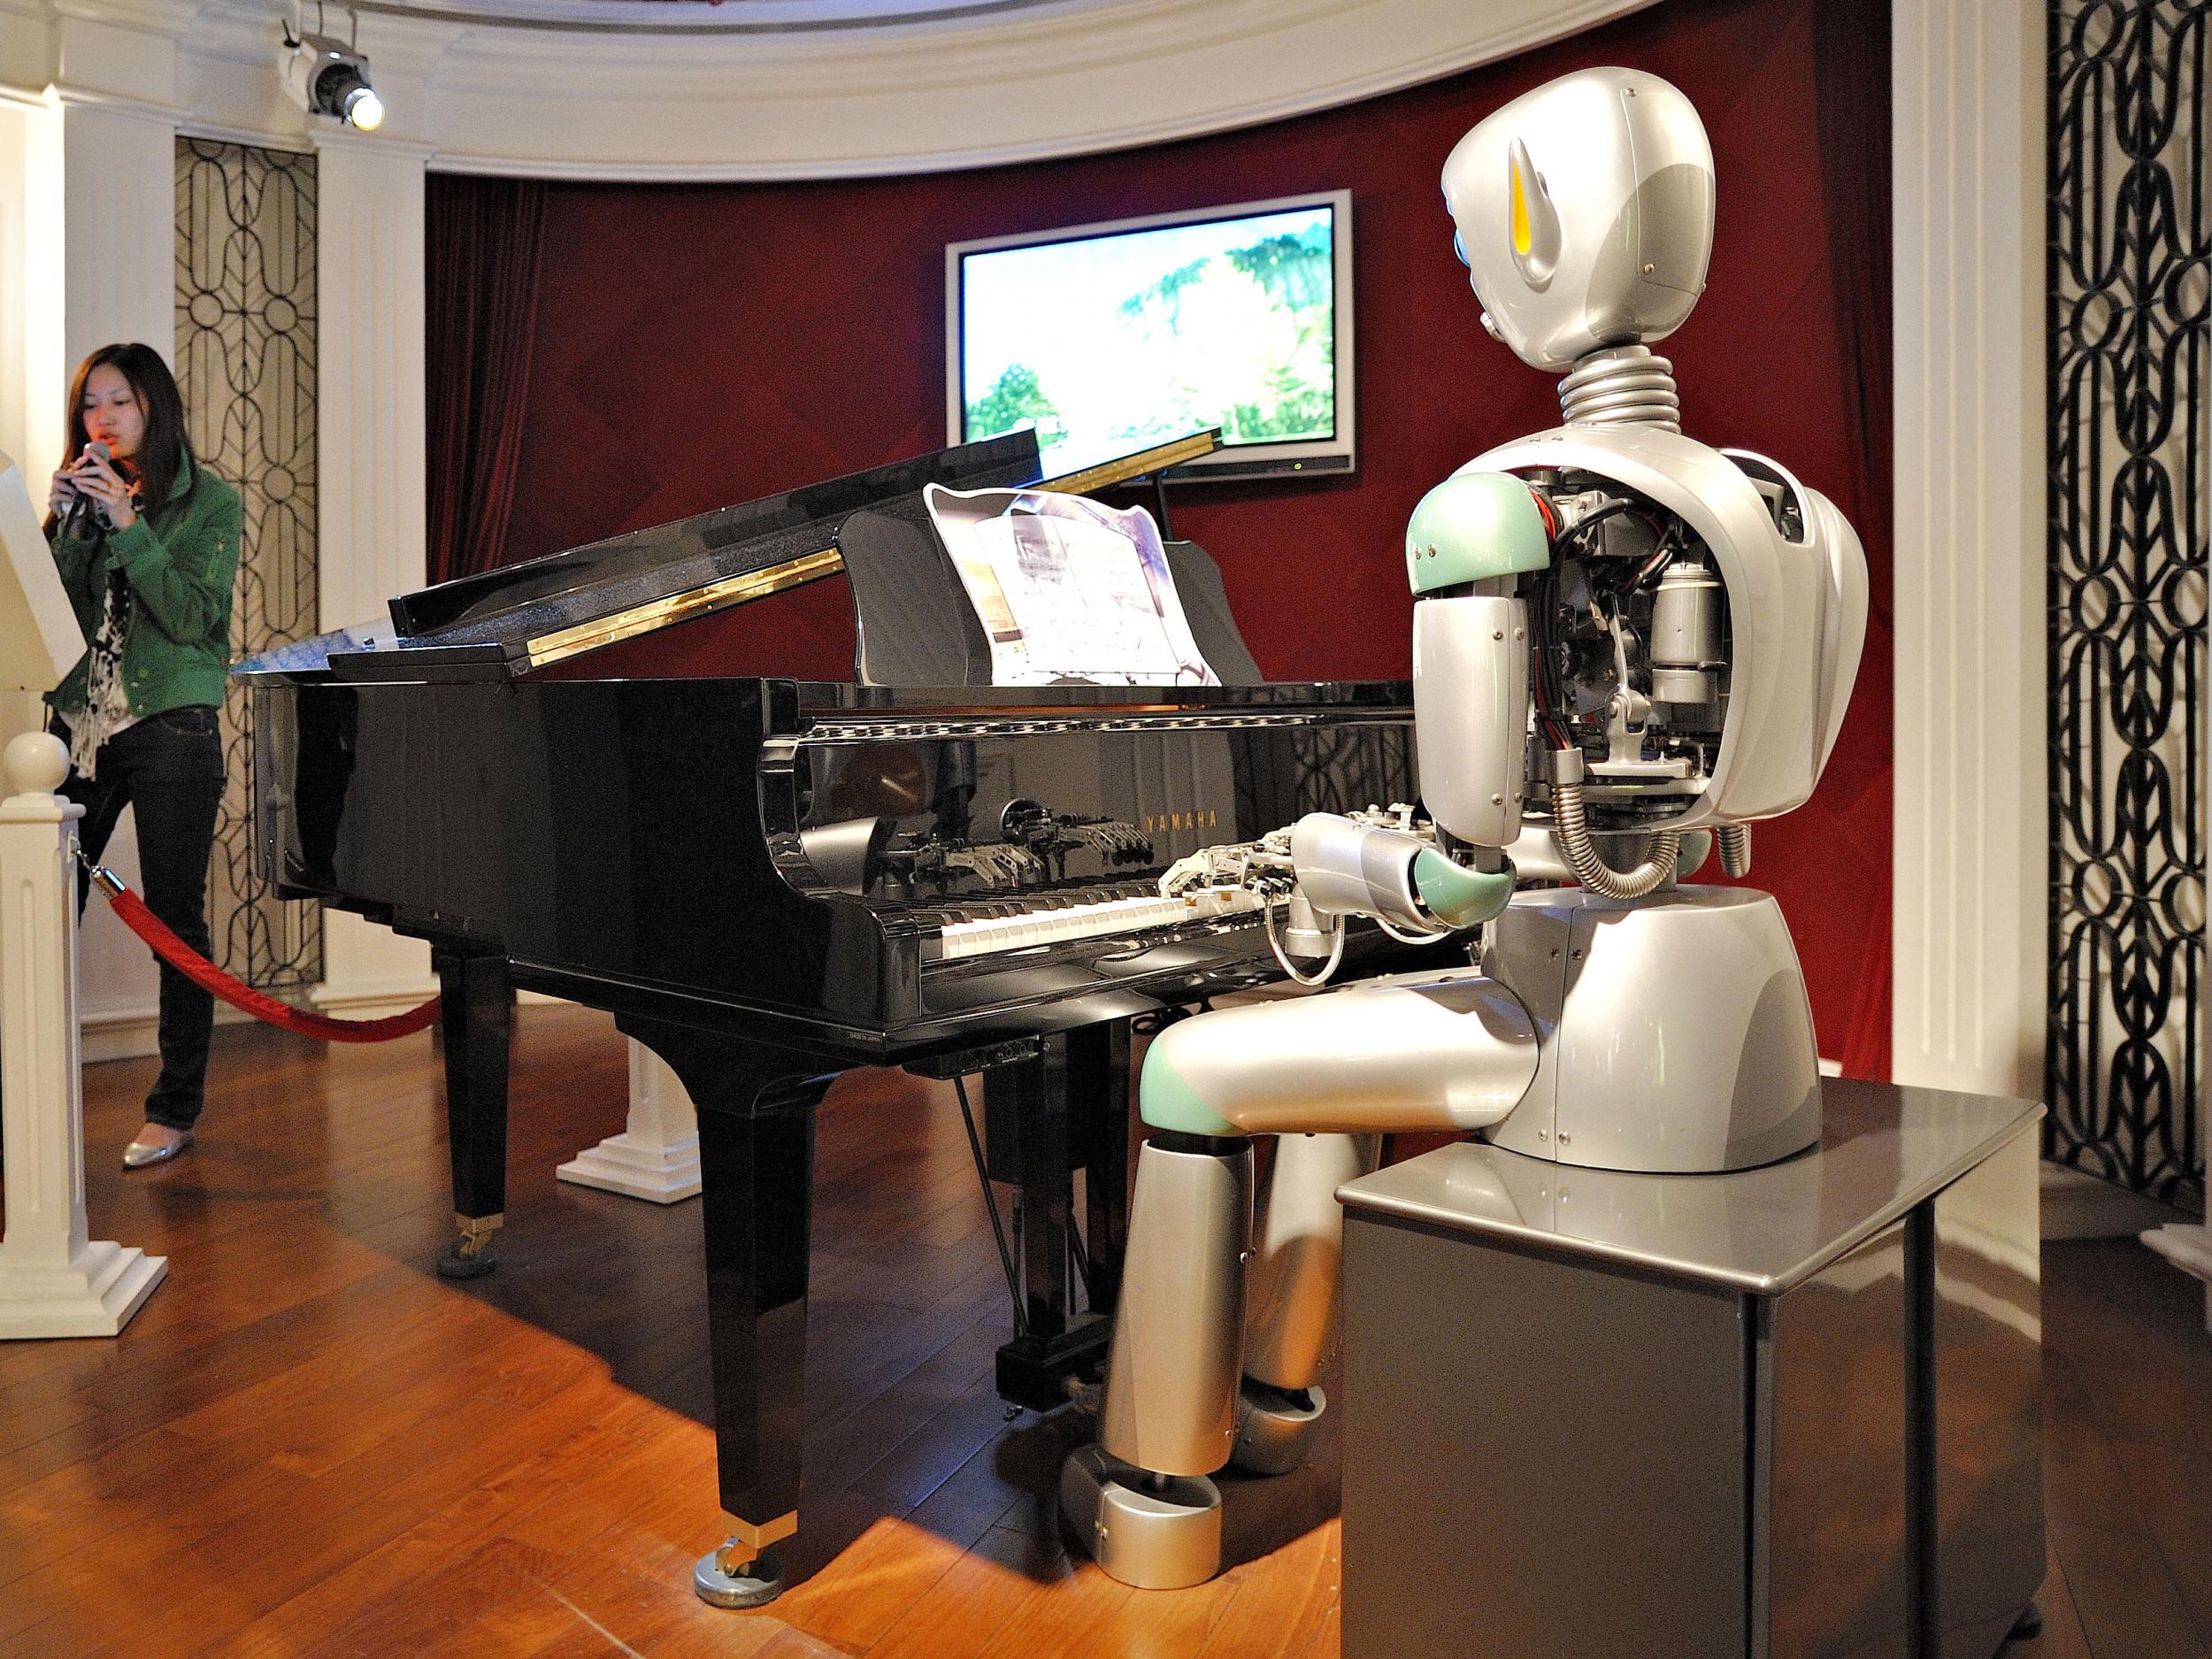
x: 1627, y: 646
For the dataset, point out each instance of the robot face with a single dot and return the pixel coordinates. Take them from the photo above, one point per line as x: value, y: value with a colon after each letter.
x: 1585, y: 214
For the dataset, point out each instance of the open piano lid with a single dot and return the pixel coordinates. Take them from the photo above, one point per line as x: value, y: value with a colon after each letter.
x: 507, y: 622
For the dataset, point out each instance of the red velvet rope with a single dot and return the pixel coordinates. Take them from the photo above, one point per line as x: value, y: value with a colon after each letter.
x: 189, y: 962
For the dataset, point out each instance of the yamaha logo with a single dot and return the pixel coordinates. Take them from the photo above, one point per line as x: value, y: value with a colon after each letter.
x: 1167, y: 823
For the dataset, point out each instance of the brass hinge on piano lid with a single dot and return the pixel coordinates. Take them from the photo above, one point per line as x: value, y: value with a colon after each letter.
x: 699, y: 602
x: 1128, y: 468
x: 812, y: 567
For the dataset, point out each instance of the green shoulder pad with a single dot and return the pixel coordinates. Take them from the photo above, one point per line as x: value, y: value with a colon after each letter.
x: 1473, y: 526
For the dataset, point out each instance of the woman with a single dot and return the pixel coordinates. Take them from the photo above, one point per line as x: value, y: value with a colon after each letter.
x: 147, y: 542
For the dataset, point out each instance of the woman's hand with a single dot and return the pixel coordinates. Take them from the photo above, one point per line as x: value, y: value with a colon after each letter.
x: 100, y: 481
x: 64, y: 492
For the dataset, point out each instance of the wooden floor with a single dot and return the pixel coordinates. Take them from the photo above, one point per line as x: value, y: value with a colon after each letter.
x: 308, y: 1446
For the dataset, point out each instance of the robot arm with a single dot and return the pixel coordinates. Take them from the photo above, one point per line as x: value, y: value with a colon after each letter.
x: 1470, y: 541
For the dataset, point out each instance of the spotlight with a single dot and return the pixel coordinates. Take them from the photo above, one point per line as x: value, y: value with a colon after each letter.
x: 325, y: 78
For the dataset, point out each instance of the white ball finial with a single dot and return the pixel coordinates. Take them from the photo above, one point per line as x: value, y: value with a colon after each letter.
x: 36, y: 763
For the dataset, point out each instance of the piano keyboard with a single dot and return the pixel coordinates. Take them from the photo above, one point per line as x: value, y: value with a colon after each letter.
x: 1082, y: 917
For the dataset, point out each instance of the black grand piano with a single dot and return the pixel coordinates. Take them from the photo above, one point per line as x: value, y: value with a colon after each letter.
x: 770, y: 880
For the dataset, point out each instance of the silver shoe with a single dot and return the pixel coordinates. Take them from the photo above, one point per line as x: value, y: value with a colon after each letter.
x: 139, y: 1155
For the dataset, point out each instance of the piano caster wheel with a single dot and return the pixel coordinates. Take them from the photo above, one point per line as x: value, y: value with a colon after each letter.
x: 460, y: 1263
x: 472, y: 1258
x: 741, y: 1583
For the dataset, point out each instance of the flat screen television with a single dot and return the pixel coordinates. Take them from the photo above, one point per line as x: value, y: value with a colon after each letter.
x: 1112, y: 337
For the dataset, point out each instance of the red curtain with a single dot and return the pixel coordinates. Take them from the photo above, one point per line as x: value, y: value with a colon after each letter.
x: 485, y: 241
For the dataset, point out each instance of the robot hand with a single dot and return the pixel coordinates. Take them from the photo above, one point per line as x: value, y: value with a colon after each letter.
x: 1262, y: 867
x: 1382, y: 863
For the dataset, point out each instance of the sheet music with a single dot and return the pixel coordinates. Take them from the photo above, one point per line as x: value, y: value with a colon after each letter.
x: 1068, y: 590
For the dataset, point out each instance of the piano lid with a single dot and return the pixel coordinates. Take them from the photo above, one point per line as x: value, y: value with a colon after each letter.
x: 505, y: 622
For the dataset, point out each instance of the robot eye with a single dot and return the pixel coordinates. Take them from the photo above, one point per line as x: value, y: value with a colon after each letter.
x: 1459, y: 248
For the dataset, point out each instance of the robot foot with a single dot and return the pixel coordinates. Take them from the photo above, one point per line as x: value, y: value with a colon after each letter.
x: 1154, y: 1531
x: 1275, y: 1426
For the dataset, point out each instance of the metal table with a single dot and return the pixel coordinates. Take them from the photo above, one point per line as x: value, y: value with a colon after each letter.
x: 1785, y: 1412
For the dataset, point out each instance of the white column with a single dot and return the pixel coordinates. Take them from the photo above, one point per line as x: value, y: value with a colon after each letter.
x: 55, y: 1279
x: 102, y: 176
x: 657, y: 1156
x: 1972, y: 852
x: 370, y: 461
x: 120, y: 188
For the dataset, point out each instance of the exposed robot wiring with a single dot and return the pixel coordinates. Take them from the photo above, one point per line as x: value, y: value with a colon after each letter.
x: 1551, y: 695
x: 1408, y: 936
x: 1275, y: 943
x: 1577, y: 530
x: 1572, y: 832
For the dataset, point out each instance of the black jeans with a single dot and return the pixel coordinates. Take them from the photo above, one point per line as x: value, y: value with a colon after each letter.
x: 168, y: 768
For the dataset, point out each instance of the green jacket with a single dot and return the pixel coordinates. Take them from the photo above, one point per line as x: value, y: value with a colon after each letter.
x: 180, y: 563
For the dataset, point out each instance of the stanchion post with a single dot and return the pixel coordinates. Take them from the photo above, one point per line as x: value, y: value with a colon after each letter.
x: 55, y: 1280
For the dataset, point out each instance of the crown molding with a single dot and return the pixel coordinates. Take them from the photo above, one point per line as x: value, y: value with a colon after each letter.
x: 753, y: 18
x: 1028, y: 89
x: 940, y: 85
x: 150, y: 111
x: 328, y: 138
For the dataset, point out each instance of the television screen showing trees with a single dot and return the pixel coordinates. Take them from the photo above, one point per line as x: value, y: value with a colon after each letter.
x: 1108, y: 343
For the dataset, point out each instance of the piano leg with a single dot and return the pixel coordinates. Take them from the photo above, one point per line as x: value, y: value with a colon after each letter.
x: 476, y: 1022
x: 756, y: 1169
x: 1098, y: 1080
x: 1064, y: 1109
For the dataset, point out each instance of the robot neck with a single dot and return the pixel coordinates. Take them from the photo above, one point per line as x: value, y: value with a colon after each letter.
x: 1621, y: 386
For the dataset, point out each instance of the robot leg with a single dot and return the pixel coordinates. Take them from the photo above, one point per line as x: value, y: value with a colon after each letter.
x: 1292, y: 1291
x: 1451, y: 1050
x: 1139, y: 1499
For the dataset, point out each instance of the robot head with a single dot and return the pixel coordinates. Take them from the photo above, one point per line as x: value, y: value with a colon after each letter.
x: 1585, y: 212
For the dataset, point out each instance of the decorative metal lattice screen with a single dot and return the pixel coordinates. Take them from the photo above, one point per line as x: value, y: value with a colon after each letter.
x: 2129, y: 258
x: 246, y: 366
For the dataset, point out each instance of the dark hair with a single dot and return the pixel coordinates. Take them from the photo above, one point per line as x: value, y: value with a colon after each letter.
x: 163, y: 445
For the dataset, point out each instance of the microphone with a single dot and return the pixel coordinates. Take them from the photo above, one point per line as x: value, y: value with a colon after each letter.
x: 82, y: 507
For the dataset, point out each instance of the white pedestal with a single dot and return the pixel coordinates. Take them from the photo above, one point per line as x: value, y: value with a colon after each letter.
x: 657, y: 1156
x: 54, y: 1280
x: 2188, y: 1248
